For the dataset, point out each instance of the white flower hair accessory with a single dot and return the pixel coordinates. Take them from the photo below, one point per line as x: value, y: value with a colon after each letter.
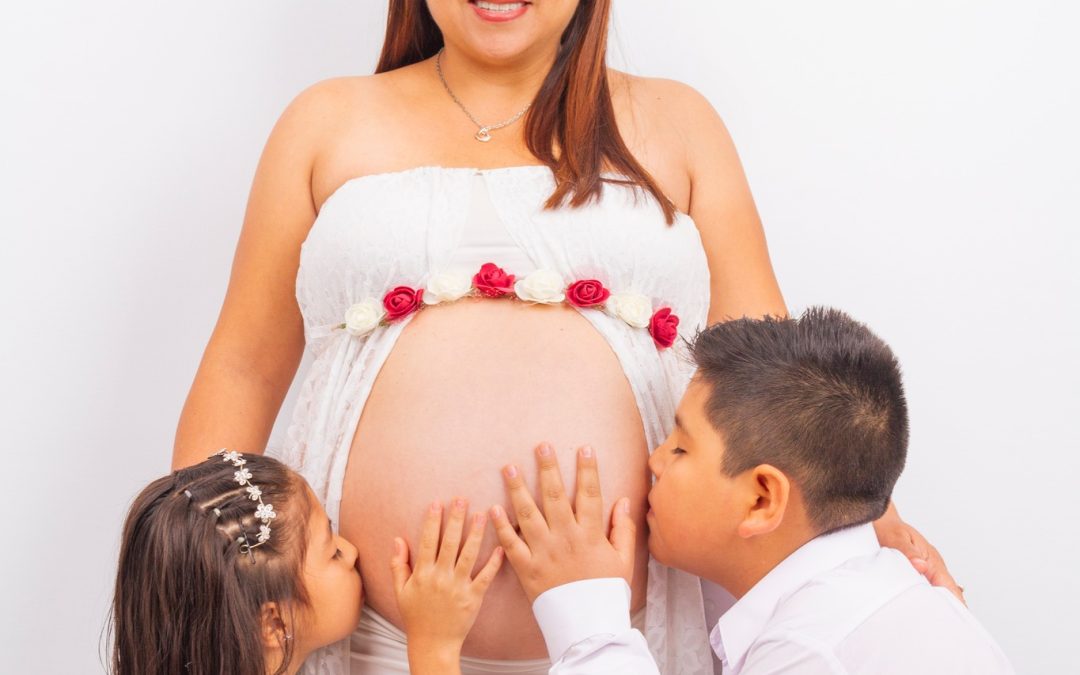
x: 264, y: 511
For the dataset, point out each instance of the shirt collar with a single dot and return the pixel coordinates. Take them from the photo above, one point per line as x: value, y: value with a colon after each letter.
x: 737, y: 629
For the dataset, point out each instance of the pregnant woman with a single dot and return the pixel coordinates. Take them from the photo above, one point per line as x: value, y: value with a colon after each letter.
x: 493, y: 132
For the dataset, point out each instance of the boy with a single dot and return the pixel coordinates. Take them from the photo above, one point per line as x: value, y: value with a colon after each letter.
x: 786, y: 447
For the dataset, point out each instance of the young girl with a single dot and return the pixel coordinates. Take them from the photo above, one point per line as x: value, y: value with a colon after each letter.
x: 231, y: 566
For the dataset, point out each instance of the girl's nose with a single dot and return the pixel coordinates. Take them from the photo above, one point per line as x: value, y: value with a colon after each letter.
x: 350, y: 551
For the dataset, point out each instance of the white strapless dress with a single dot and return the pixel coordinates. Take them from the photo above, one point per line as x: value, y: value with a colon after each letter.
x: 383, y: 230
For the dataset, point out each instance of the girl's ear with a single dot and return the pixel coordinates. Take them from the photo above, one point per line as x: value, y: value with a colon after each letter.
x: 273, y: 629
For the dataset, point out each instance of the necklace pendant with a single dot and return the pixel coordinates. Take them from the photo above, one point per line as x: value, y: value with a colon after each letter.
x: 483, y: 135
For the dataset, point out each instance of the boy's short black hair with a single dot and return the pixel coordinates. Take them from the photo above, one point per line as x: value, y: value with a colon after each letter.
x: 820, y: 398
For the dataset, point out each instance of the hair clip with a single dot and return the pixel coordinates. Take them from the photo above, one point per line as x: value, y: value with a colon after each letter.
x: 264, y: 512
x: 189, y: 495
x: 245, y: 545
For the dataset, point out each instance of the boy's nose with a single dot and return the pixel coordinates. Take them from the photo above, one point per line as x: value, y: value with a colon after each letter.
x: 656, y: 462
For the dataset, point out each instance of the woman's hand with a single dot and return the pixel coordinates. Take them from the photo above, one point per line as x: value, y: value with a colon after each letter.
x: 895, y: 533
x: 438, y: 597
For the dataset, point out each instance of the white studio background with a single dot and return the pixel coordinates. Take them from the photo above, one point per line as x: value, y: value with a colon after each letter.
x: 915, y: 164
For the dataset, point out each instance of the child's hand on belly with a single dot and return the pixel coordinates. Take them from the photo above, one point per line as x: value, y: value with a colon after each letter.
x: 438, y: 596
x: 564, y: 544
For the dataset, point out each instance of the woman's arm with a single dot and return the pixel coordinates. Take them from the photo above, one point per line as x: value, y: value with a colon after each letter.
x: 255, y: 349
x: 743, y: 283
x: 742, y: 278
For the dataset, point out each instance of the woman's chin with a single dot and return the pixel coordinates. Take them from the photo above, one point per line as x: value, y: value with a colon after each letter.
x: 501, y: 49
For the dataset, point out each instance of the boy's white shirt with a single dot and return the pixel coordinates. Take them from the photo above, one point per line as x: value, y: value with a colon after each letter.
x: 586, y: 625
x: 839, y: 604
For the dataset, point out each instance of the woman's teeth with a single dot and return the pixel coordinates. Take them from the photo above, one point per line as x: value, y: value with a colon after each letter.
x: 499, y: 7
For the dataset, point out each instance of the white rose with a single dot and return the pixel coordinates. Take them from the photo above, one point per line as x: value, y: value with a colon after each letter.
x: 363, y: 317
x: 633, y: 308
x: 541, y: 286
x: 447, y: 287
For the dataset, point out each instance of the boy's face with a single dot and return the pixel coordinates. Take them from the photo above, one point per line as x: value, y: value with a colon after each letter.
x: 694, y: 507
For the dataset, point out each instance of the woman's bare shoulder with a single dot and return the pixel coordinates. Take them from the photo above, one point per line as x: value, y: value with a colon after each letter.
x: 663, y: 122
x: 351, y: 126
x: 343, y: 112
x: 660, y: 86
x: 665, y: 99
x: 684, y: 115
x: 340, y: 99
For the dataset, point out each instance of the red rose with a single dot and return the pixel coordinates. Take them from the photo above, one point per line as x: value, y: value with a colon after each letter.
x: 401, y: 302
x: 587, y: 293
x: 664, y: 328
x: 493, y: 281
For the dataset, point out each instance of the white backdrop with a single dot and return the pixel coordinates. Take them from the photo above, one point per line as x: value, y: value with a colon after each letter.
x: 915, y: 164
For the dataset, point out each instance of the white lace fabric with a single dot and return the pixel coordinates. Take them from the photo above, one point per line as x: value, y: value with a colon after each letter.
x: 383, y: 230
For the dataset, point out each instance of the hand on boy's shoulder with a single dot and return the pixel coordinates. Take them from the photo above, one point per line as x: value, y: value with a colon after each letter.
x: 563, y: 543
x: 893, y: 532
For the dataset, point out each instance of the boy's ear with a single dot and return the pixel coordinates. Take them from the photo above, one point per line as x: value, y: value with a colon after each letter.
x: 272, y: 628
x: 768, y: 493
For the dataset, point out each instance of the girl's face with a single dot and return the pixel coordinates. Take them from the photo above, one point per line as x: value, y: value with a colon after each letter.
x: 500, y: 35
x: 332, y: 581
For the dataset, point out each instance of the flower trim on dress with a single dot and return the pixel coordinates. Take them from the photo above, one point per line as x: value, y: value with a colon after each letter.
x: 541, y: 287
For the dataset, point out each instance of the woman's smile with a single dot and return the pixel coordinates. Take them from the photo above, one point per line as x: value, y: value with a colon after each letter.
x: 499, y: 11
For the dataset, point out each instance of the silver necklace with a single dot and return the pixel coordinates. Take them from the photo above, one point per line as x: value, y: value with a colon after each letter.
x: 483, y: 133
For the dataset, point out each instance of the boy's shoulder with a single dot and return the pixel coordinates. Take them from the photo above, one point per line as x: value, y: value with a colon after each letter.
x: 876, y: 614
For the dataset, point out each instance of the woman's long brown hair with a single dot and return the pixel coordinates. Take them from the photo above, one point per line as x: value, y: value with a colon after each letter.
x: 572, y: 111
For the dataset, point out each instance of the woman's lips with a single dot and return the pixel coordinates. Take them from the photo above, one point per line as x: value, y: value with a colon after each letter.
x: 498, y: 11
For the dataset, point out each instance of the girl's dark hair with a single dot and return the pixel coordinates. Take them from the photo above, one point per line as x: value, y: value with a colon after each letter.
x: 572, y: 110
x: 187, y: 599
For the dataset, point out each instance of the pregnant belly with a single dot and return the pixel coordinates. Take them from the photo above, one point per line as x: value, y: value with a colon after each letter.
x: 468, y: 388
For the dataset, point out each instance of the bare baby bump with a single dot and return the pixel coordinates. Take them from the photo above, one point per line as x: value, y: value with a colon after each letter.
x: 469, y: 388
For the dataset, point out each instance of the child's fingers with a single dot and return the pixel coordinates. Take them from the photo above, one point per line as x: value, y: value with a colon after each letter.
x: 624, y: 533
x: 451, y: 539
x: 429, y: 535
x: 557, y: 511
x: 471, y: 550
x: 588, y: 503
x: 529, y: 518
x: 399, y: 565
x: 516, y: 549
x: 487, y: 573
